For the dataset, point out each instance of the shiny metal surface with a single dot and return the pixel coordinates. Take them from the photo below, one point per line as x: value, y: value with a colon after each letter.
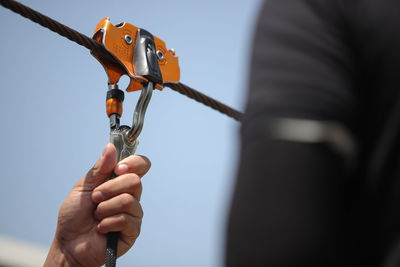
x: 140, y: 111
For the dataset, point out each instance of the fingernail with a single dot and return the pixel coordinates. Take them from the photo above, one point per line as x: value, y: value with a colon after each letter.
x: 97, y: 196
x: 122, y: 167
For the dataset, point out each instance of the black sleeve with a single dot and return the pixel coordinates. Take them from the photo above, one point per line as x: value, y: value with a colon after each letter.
x: 289, y: 203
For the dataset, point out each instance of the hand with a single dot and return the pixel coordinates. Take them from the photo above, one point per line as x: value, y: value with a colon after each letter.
x: 96, y: 206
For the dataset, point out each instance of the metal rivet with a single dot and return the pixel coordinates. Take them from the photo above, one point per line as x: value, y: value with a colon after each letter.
x: 160, y: 55
x: 128, y: 39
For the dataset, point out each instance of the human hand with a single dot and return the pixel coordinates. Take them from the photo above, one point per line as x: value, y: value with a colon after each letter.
x: 96, y: 206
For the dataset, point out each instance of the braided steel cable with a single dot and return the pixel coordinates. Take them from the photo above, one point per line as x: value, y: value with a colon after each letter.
x: 206, y: 100
x: 57, y: 27
x: 99, y: 48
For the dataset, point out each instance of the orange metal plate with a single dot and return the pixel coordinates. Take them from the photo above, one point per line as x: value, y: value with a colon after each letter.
x: 113, y: 38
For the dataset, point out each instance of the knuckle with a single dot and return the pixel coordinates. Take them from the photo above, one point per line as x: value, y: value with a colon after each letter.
x: 105, y: 189
x: 123, y: 220
x: 133, y: 230
x: 100, y: 209
x: 95, y: 169
x: 141, y: 212
x: 138, y: 227
x: 126, y: 200
x: 134, y: 181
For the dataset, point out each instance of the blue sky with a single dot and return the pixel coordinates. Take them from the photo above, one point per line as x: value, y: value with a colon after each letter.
x: 55, y: 127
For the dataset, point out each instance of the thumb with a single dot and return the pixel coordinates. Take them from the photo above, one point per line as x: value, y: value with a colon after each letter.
x: 102, y: 169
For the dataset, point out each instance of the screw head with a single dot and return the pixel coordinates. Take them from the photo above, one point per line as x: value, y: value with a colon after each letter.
x: 128, y: 39
x: 160, y: 54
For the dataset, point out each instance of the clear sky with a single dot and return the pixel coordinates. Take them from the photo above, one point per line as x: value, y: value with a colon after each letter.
x: 55, y: 127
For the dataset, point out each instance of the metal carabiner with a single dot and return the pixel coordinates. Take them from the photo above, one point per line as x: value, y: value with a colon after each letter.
x: 124, y: 137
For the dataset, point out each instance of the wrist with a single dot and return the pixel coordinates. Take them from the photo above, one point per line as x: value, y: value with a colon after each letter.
x: 57, y: 257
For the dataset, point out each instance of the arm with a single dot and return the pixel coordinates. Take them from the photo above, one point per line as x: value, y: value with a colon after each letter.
x: 96, y: 206
x: 289, y: 205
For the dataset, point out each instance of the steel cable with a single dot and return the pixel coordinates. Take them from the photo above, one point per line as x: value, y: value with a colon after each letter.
x: 99, y: 48
x: 206, y: 100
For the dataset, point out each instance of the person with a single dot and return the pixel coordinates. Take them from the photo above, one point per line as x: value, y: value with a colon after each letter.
x: 97, y: 205
x: 319, y: 176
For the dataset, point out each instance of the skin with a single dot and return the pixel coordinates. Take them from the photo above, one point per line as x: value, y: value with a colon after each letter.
x: 96, y: 206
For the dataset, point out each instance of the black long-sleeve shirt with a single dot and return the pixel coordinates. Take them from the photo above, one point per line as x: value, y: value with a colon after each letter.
x: 301, y: 203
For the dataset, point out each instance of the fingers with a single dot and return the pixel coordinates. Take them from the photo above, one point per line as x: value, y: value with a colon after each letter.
x: 101, y: 170
x: 118, y: 199
x: 107, y: 163
x: 127, y: 183
x: 129, y: 226
x: 133, y: 164
x: 129, y: 170
x: 124, y: 203
x: 122, y: 213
